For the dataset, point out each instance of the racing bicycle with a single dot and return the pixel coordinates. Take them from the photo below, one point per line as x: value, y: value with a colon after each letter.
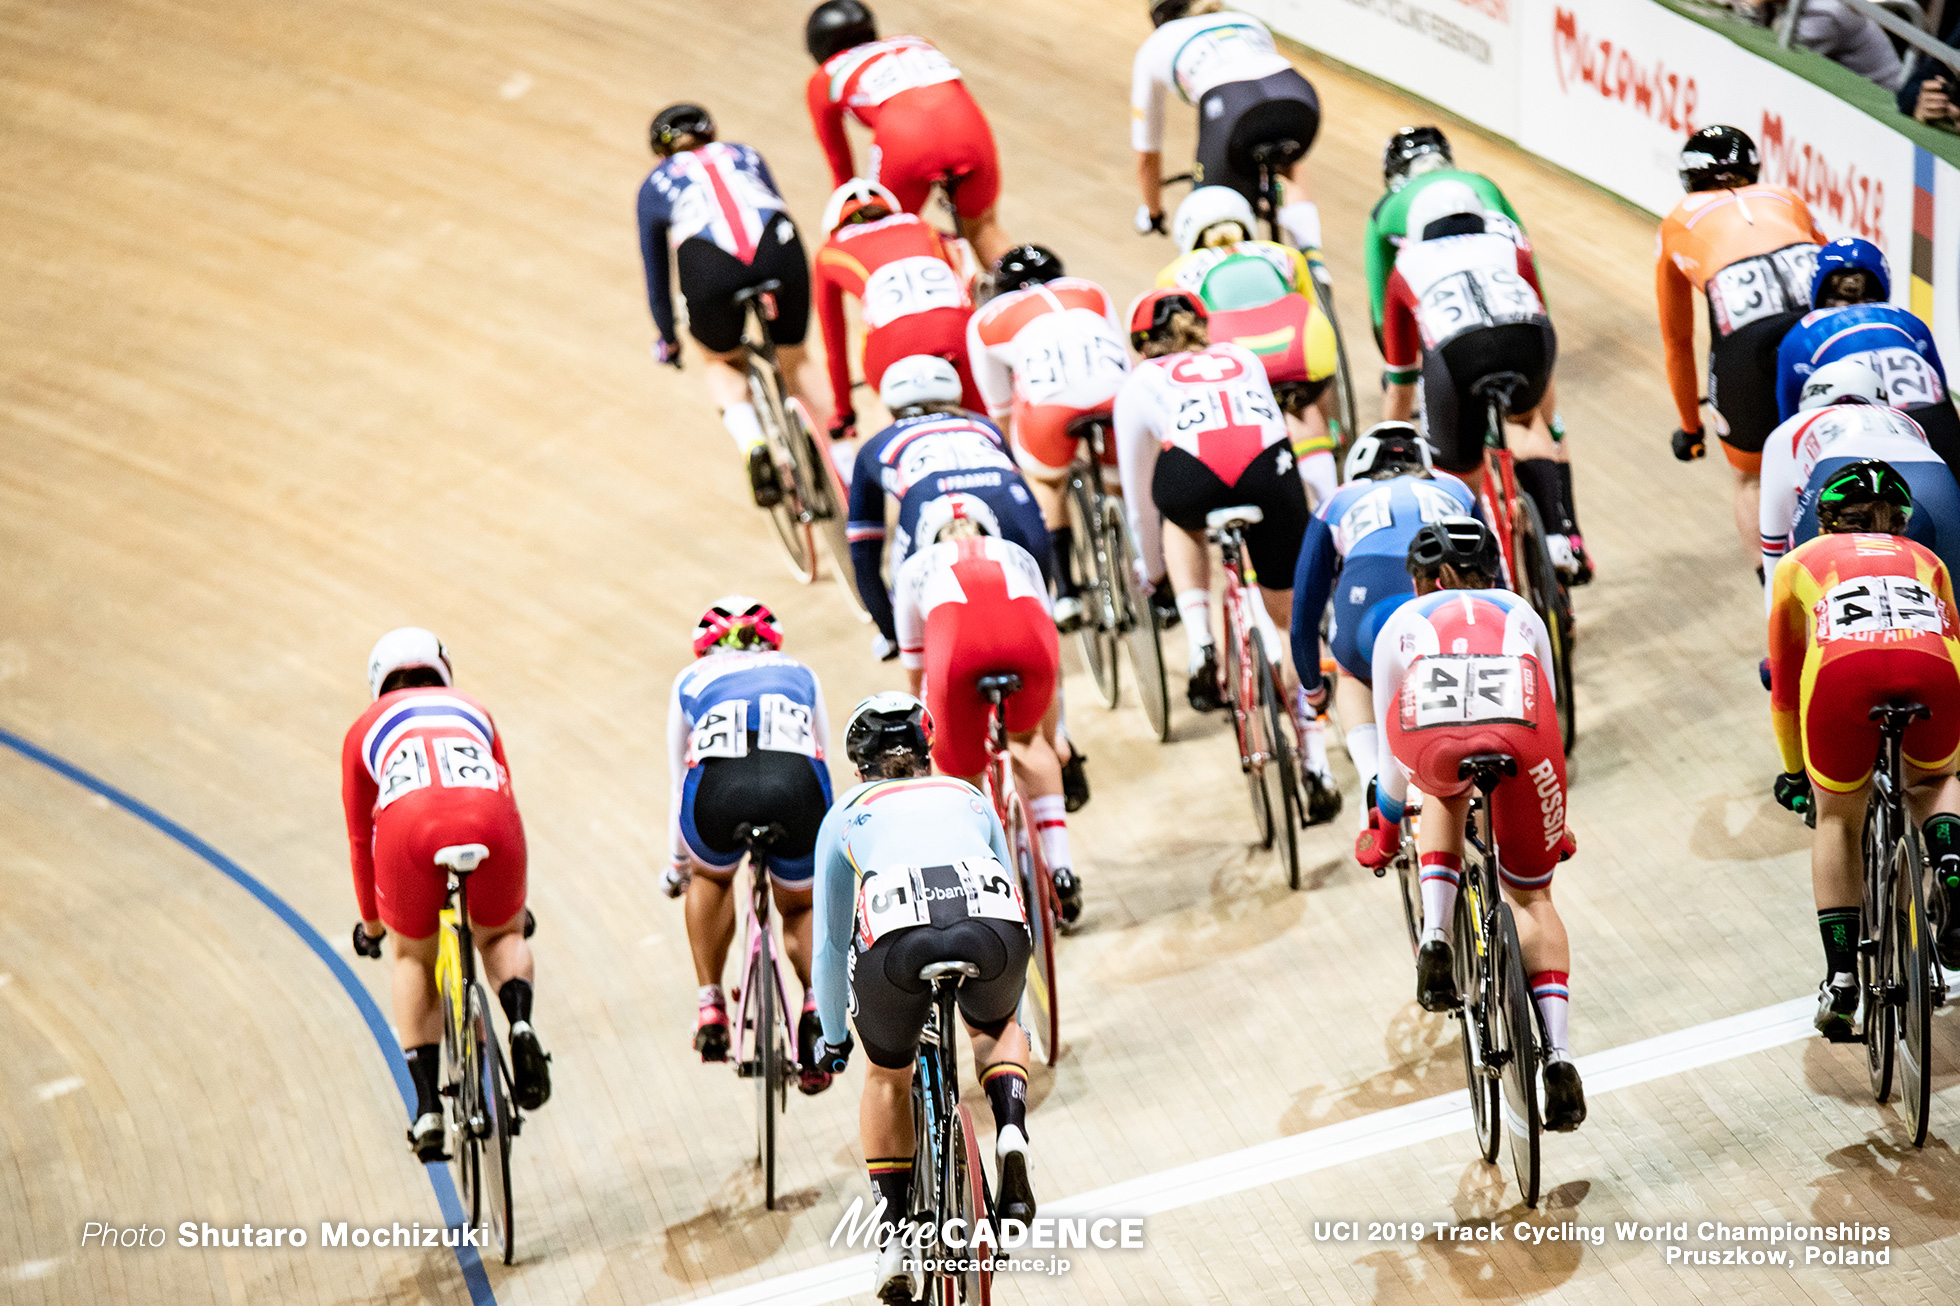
x: 1040, y: 1014
x: 949, y: 1182
x: 766, y: 1048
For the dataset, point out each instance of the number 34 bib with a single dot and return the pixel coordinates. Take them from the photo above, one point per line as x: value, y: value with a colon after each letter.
x: 900, y: 897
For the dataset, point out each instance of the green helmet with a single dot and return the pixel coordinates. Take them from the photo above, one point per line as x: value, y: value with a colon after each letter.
x: 1866, y: 481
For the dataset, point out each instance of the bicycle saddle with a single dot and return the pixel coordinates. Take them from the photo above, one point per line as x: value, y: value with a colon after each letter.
x: 933, y: 972
x: 1900, y: 714
x: 1245, y: 514
x: 1485, y: 769
x: 746, y: 293
x: 462, y: 858
x: 1278, y: 155
x: 1503, y: 386
x: 996, y: 687
x: 749, y: 835
x: 1080, y: 428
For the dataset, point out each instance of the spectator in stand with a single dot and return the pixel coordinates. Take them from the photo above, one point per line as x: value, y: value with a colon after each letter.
x: 1931, y: 91
x: 1842, y: 35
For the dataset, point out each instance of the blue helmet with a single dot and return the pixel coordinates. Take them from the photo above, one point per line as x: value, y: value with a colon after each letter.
x: 1849, y: 254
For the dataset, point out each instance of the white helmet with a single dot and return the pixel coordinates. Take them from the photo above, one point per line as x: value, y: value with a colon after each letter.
x: 853, y: 195
x: 1206, y: 207
x: 1847, y: 381
x: 942, y: 512
x: 919, y: 379
x: 407, y: 646
x: 1391, y: 435
x: 1440, y: 199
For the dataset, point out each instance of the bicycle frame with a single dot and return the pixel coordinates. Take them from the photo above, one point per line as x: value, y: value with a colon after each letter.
x: 755, y: 923
x: 945, y: 1155
x: 1498, y: 489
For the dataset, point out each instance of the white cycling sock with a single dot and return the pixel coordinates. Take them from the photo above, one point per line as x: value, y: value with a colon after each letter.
x: 1194, y: 606
x: 1551, y: 990
x: 710, y: 994
x: 744, y: 425
x: 1300, y: 221
x: 1050, y: 813
x: 1363, y: 745
x: 1321, y: 474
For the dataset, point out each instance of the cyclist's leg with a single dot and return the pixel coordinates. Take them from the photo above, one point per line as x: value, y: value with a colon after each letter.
x: 1000, y: 1047
x: 1453, y: 419
x: 1044, y: 450
x: 889, y: 1009
x: 1184, y: 490
x: 417, y: 1007
x: 1273, y: 545
x: 1742, y: 393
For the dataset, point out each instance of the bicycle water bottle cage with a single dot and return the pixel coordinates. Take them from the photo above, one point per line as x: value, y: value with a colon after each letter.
x: 462, y: 858
x: 1225, y: 519
x: 764, y: 291
x: 1897, y: 716
x: 1486, y: 769
x: 751, y: 836
x: 996, y: 687
x: 933, y: 972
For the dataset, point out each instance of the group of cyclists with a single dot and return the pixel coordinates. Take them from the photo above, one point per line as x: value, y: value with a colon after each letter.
x: 1830, y: 405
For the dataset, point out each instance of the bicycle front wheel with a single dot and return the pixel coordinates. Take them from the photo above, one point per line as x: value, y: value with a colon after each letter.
x: 1875, y: 968
x: 1467, y: 962
x: 791, y: 517
x: 1089, y: 558
x: 1040, y: 1010
x: 826, y: 500
x: 462, y: 1072
x: 1344, y: 405
x: 1242, y: 694
x: 499, y: 1121
x: 1553, y: 604
x: 1282, y: 777
x: 1137, y: 621
x: 1914, y: 962
x: 768, y: 1063
x: 1519, y: 1025
x: 967, y: 1187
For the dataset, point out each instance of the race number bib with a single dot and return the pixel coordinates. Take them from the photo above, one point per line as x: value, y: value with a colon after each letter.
x: 722, y: 731
x: 1909, y: 379
x: 406, y: 770
x: 1753, y: 288
x: 466, y: 764
x: 1460, y: 689
x: 890, y: 898
x: 990, y: 890
x: 1371, y: 512
x: 1086, y: 369
x: 902, y: 70
x: 1216, y: 48
x: 785, y: 726
x: 899, y: 897
x: 1878, y: 605
x: 910, y: 285
x: 1474, y: 298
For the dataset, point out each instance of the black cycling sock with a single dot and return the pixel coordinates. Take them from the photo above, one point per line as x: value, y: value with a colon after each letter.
x: 1839, y: 926
x: 516, y: 997
x: 424, y: 1065
x: 1538, y: 477
x: 1007, y: 1093
x: 891, y: 1182
x: 1565, y: 497
x: 1062, y: 540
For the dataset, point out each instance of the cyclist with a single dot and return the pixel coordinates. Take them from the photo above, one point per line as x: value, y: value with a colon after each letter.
x: 1749, y: 248
x: 1047, y: 351
x: 914, y: 299
x: 1861, y: 616
x: 903, y: 829
x: 1247, y: 94
x: 1198, y: 429
x: 924, y: 124
x: 717, y: 206
x: 1415, y: 159
x: 1355, y: 551
x: 1259, y: 294
x: 1850, y: 318
x: 1845, y: 419
x: 746, y: 733
x: 1459, y: 628
x: 1463, y: 305
x: 972, y: 604
x: 421, y: 770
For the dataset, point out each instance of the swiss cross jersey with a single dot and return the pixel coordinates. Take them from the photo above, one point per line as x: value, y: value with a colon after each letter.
x: 1843, y: 596
x: 959, y: 571
x: 902, y: 74
x: 1444, y: 287
x: 1192, y: 56
x: 411, y: 750
x: 1895, y: 342
x: 1057, y: 344
x: 731, y: 703
x: 721, y: 193
x: 897, y: 267
x: 1459, y: 655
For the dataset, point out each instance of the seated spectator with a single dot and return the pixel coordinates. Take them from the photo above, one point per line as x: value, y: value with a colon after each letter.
x: 1843, y: 36
x: 1931, y: 90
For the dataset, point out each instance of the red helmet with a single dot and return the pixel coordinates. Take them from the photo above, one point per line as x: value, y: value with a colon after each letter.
x: 739, y: 622
x: 1153, y: 310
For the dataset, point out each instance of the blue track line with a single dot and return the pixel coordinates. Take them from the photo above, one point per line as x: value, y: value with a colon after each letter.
x: 445, y: 1189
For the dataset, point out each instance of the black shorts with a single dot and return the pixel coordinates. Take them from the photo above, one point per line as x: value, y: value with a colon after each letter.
x: 709, y: 277
x: 1742, y: 379
x: 1453, y: 416
x: 765, y: 787
x: 1942, y: 426
x: 1184, y: 490
x: 889, y: 1002
x: 1235, y: 117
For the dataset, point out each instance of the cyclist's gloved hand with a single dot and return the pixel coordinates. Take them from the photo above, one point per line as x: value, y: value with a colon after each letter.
x: 833, y: 1057
x: 1689, y: 446
x: 1164, y: 603
x: 668, y: 352
x: 1793, y: 791
x: 844, y: 426
x: 1375, y: 846
x: 365, y: 944
x: 673, y: 880
x: 1568, y: 845
x: 1147, y: 222
x: 882, y: 648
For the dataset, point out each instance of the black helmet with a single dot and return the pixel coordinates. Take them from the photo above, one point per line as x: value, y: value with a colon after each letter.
x: 1024, y: 266
x: 676, y: 121
x: 1866, y: 481
x: 1408, y: 145
x: 1716, y: 152
x: 1462, y: 542
x: 1162, y: 11
x: 887, y: 723
x: 838, y: 25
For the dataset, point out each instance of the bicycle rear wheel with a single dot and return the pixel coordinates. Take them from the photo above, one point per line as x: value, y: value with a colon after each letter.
x: 1875, y: 973
x: 1040, y: 1011
x: 973, y: 1286
x: 1343, y: 378
x: 464, y: 1080
x: 1467, y: 962
x: 1137, y: 621
x: 827, y: 501
x: 1091, y: 563
x: 1550, y: 599
x: 1408, y: 875
x: 790, y: 517
x: 1281, y: 767
x: 499, y: 1121
x: 1242, y: 693
x: 768, y: 1063
x: 1913, y: 953
x: 1519, y: 1023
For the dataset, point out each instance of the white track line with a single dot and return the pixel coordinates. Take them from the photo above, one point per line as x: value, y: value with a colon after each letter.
x: 1332, y: 1145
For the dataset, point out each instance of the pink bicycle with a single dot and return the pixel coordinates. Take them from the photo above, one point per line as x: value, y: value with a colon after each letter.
x: 765, y: 1037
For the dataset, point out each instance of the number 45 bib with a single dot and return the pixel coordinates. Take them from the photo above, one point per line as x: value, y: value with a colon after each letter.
x: 901, y: 897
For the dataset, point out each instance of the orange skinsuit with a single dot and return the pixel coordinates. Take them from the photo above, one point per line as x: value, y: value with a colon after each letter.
x: 1707, y: 231
x: 1858, y: 620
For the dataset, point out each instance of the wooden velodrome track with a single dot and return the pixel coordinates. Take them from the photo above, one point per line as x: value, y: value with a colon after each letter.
x: 323, y: 318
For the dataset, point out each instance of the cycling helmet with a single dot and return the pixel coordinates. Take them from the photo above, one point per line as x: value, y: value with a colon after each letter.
x: 942, y: 512
x: 853, y: 198
x: 885, y: 723
x: 408, y: 646
x: 676, y: 121
x: 1024, y: 266
x: 1412, y: 152
x: 1438, y: 200
x: 1866, y: 481
x: 1847, y: 381
x: 1207, y: 207
x: 838, y: 25
x: 1460, y: 542
x: 1717, y: 152
x: 919, y: 379
x: 1151, y: 314
x: 1387, y: 447
x: 1848, y: 254
x: 1162, y: 11
x: 738, y: 622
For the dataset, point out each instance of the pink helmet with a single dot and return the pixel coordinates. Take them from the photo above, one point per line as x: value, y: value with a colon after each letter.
x: 737, y: 621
